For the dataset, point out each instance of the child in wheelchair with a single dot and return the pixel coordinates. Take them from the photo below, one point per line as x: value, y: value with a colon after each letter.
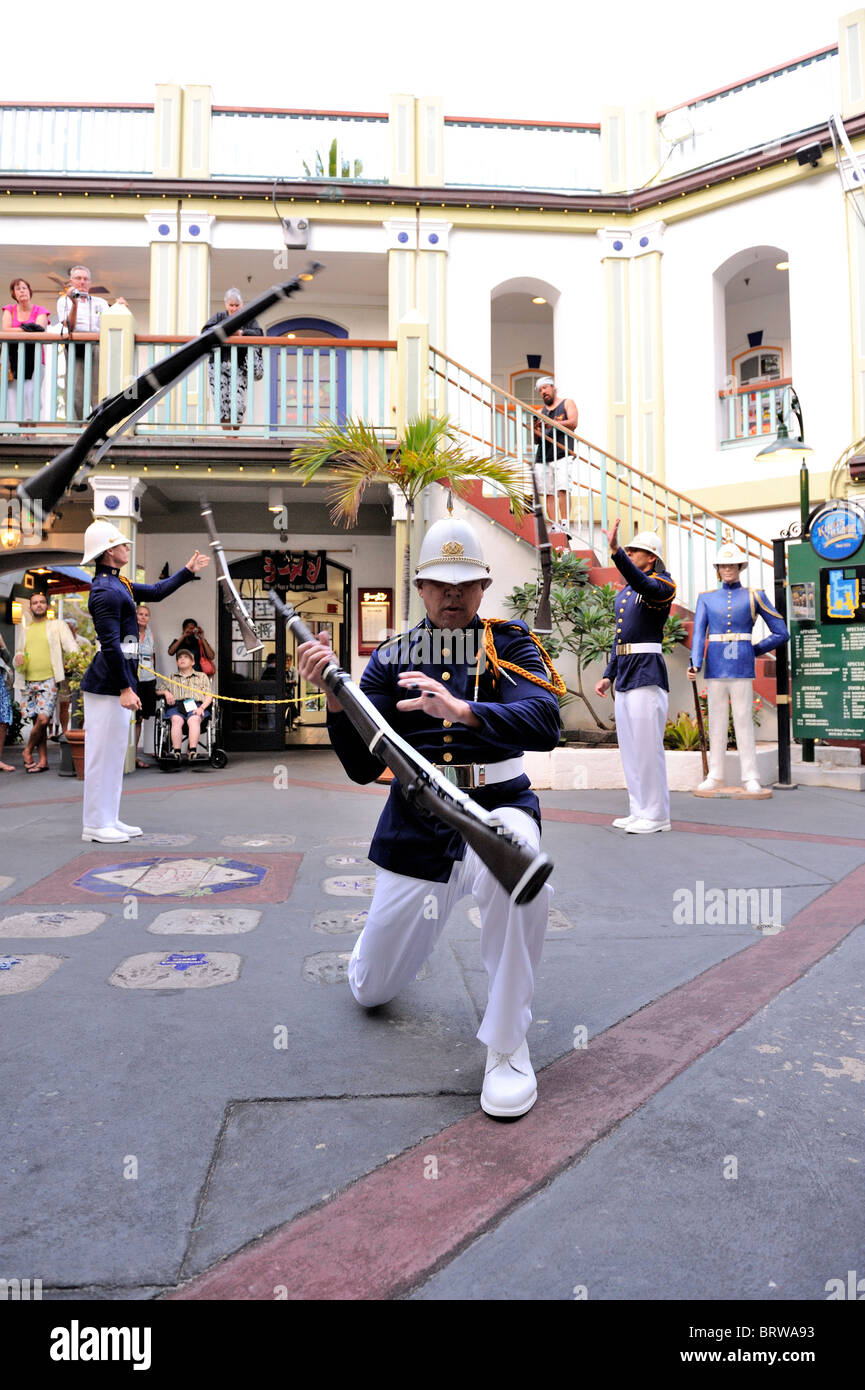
x: 188, y: 698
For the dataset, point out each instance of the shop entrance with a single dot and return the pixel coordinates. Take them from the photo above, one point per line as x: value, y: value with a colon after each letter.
x: 270, y: 675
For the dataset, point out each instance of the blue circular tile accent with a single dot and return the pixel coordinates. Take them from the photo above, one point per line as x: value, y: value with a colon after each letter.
x: 402, y: 236
x: 617, y: 246
x: 112, y: 503
x: 194, y: 230
x: 164, y: 229
x: 644, y: 241
x: 433, y: 237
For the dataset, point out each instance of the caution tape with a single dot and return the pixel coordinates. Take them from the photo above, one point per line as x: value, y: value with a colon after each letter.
x: 228, y: 699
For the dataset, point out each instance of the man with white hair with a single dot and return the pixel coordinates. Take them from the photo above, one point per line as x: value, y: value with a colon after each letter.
x: 637, y: 667
x: 726, y: 617
x: 79, y: 311
x: 470, y: 696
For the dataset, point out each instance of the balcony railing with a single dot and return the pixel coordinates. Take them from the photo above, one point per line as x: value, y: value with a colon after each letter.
x: 586, y: 488
x: 752, y: 115
x: 58, y: 139
x: 518, y: 154
x: 254, y: 387
x: 299, y: 145
x: 750, y: 412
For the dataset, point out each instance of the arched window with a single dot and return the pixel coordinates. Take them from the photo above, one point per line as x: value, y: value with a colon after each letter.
x: 307, y: 383
x: 752, y: 343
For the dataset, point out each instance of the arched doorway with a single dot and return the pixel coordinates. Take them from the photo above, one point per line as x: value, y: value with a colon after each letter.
x: 308, y: 386
x: 753, y: 348
x: 270, y: 675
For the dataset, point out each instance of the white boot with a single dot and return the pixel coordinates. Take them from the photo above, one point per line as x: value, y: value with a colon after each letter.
x: 510, y: 1088
x: 130, y: 830
x: 710, y: 784
x: 623, y: 822
x: 107, y: 835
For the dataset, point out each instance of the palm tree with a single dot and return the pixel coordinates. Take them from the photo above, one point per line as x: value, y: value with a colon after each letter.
x: 427, y: 453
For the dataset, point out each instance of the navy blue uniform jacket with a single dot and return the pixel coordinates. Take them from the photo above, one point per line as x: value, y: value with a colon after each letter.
x: 112, y: 608
x: 642, y: 608
x: 513, y: 718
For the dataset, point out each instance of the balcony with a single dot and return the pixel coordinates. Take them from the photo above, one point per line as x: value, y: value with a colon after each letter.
x: 269, y: 389
x: 750, y: 413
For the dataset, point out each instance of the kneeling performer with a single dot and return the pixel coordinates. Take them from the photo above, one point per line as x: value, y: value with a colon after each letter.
x: 470, y: 695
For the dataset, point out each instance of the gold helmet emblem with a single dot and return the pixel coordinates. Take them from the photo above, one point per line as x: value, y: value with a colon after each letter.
x: 453, y: 550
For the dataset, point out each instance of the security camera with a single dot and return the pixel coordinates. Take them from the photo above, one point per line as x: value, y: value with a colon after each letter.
x: 810, y: 154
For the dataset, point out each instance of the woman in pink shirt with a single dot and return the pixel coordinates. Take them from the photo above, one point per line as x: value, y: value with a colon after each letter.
x: 21, y: 318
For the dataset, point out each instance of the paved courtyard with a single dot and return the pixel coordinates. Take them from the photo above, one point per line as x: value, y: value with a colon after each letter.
x: 195, y: 1108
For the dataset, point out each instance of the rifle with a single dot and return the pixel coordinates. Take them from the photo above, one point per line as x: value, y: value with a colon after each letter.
x: 43, y: 491
x: 702, y: 730
x: 230, y: 597
x: 520, y: 871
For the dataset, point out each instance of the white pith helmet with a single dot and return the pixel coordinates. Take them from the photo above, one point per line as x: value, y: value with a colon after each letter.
x: 647, y: 540
x: 99, y: 537
x: 451, y: 554
x: 730, y: 554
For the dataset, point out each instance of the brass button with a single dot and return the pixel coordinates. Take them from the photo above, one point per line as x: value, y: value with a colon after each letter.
x: 446, y: 675
x: 446, y: 653
x: 448, y: 738
x: 448, y: 757
x: 447, y: 723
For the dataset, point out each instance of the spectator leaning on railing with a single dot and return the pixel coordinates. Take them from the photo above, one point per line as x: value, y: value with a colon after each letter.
x: 79, y: 311
x: 233, y: 302
x: 22, y: 317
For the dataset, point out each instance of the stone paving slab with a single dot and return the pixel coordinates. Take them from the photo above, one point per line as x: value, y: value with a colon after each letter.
x: 276, y: 1159
x: 177, y: 970
x: 204, y: 921
x: 38, y: 924
x: 654, y: 1210
x: 20, y: 972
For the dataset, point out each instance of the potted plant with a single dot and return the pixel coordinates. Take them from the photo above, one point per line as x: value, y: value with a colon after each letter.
x: 74, y: 666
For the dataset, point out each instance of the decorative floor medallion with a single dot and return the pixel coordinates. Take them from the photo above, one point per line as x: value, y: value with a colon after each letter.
x: 165, y: 878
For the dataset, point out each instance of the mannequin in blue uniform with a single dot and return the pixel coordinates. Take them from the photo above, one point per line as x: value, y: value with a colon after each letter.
x: 474, y: 718
x: 726, y: 617
x: 110, y: 682
x: 637, y: 669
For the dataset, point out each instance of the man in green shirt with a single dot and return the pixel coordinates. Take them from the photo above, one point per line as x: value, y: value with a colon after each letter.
x: 41, y: 664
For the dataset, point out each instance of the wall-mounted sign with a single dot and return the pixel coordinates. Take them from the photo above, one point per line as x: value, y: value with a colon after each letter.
x: 838, y: 531
x: 827, y: 626
x: 303, y: 571
x: 375, y: 615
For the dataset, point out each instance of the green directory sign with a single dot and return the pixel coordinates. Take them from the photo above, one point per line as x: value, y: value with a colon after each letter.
x: 827, y: 630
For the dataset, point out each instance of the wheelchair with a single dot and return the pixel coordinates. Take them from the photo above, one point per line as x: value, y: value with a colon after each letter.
x: 208, y: 741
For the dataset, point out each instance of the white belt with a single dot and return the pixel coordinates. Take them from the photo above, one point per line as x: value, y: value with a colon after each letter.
x: 471, y: 775
x: 729, y: 636
x: 636, y: 648
x: 129, y: 646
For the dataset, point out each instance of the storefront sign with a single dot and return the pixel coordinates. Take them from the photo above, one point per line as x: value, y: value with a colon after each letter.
x: 838, y: 531
x: 375, y: 615
x: 827, y: 627
x: 303, y: 571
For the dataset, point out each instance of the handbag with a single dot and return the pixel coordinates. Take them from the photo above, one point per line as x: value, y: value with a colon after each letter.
x: 207, y: 666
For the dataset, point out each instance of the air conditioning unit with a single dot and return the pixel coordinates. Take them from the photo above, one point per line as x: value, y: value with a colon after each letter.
x: 295, y: 230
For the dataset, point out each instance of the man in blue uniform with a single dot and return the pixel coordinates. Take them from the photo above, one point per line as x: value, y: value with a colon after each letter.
x: 726, y: 617
x: 110, y: 681
x: 637, y: 669
x: 470, y: 697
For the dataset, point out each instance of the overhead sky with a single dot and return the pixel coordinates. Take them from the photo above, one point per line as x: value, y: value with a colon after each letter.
x: 560, y: 60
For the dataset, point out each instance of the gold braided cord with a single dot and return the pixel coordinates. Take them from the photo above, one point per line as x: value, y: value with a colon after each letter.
x: 229, y: 699
x: 556, y: 685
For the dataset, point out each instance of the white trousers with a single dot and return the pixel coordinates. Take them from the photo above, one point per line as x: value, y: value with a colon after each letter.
x: 641, y: 716
x: 107, y: 727
x: 737, y: 691
x: 407, y: 916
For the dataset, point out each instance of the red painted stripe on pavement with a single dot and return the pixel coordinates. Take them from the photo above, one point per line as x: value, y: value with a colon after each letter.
x: 393, y: 1228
